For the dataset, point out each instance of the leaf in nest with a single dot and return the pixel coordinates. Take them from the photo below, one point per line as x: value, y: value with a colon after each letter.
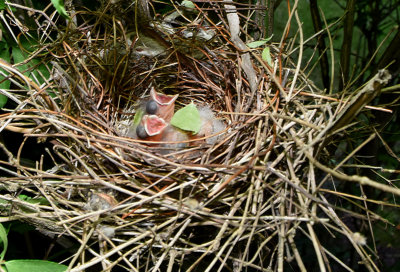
x: 187, y: 118
x: 40, y: 200
x: 59, y: 5
x: 256, y: 44
x: 138, y: 117
x: 188, y: 4
x: 266, y: 55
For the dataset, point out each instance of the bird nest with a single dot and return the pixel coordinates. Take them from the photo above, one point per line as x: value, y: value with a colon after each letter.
x: 257, y: 198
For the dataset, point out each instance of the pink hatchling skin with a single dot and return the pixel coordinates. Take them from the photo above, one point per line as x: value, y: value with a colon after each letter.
x: 155, y: 125
x: 166, y: 104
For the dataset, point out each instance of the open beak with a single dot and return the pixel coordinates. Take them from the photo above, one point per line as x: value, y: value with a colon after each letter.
x: 151, y: 128
x: 164, y: 105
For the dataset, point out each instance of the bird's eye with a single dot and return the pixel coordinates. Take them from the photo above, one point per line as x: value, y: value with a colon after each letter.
x: 151, y: 107
x: 141, y: 132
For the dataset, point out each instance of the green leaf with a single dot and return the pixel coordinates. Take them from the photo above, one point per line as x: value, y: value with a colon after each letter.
x: 3, y: 100
x: 4, y: 241
x: 187, y: 118
x: 39, y: 200
x: 188, y: 4
x: 34, y: 266
x: 266, y: 55
x: 256, y: 44
x: 4, y: 55
x: 138, y: 117
x: 2, y: 5
x: 59, y: 5
x: 39, y: 72
x: 20, y: 56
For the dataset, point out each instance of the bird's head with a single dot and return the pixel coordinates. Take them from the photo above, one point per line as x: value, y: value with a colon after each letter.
x: 151, y: 128
x: 161, y: 105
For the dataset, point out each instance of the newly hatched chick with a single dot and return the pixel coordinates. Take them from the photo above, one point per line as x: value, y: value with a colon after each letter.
x: 153, y: 125
x: 159, y: 105
x: 175, y: 138
x: 164, y: 105
x: 151, y: 128
x: 209, y: 125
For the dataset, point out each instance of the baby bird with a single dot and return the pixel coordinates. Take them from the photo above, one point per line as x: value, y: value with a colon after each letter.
x: 154, y: 129
x: 209, y: 125
x: 174, y: 139
x: 161, y: 105
x: 151, y: 128
x: 153, y: 125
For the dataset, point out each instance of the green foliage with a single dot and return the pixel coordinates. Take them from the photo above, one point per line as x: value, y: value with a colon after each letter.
x: 188, y: 4
x: 19, y: 54
x: 33, y: 69
x: 3, y: 241
x: 39, y: 200
x: 266, y: 55
x: 2, y: 4
x: 187, y: 118
x: 59, y: 5
x: 256, y: 44
x: 25, y: 265
x: 4, y: 83
x: 34, y: 266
